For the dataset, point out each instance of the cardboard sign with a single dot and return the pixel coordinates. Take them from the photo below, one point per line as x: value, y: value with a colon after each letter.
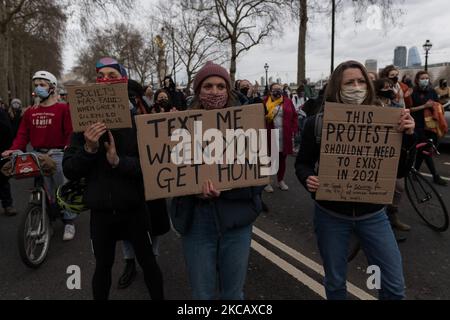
x: 179, y: 167
x: 360, y: 153
x: 92, y: 103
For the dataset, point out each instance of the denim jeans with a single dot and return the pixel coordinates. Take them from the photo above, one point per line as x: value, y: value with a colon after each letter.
x: 128, y: 251
x: 378, y: 242
x: 211, y: 256
x: 52, y: 183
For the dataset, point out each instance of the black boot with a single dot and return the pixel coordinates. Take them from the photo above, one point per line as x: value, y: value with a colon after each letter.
x: 265, y: 208
x: 128, y: 275
x: 439, y: 181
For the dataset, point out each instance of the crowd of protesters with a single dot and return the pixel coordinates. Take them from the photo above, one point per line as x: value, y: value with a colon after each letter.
x: 216, y: 226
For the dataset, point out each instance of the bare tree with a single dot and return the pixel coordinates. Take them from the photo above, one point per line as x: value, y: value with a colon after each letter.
x: 243, y: 24
x: 303, y: 10
x: 192, y: 43
x: 32, y: 34
x: 124, y: 43
x: 29, y: 42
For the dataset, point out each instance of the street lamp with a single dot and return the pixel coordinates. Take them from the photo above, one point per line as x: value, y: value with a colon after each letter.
x: 427, y: 47
x: 266, y: 67
x: 333, y: 31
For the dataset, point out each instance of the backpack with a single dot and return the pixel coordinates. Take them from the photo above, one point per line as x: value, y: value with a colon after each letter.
x: 318, y: 126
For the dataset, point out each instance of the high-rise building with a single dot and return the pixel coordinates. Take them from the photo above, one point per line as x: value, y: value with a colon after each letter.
x: 400, y: 54
x: 263, y: 81
x: 414, y: 59
x: 372, y: 65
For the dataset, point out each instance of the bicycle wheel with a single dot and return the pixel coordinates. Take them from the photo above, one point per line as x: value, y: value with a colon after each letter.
x: 34, y: 236
x: 427, y: 202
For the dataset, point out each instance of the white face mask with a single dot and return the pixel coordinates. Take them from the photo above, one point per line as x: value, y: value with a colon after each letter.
x: 353, y: 95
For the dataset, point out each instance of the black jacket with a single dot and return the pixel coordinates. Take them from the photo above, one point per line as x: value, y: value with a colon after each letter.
x: 309, y: 155
x: 233, y: 209
x: 117, y: 190
x: 5, y: 138
x: 5, y: 131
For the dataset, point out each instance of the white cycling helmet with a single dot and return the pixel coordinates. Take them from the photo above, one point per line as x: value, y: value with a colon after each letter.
x: 45, y: 75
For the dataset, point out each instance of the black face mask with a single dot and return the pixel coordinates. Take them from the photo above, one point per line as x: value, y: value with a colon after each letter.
x: 444, y: 85
x: 388, y: 94
x: 245, y: 91
x: 163, y: 105
x: 277, y: 94
x: 394, y: 79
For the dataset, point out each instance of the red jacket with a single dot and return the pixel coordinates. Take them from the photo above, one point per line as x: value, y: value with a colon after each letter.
x: 408, y: 100
x: 290, y: 125
x: 45, y: 128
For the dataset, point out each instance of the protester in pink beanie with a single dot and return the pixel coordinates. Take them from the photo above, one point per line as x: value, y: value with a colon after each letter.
x: 212, y: 87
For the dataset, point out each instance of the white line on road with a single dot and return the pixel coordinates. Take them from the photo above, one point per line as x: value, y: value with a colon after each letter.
x: 447, y: 163
x: 289, y: 268
x: 430, y: 176
x: 354, y: 290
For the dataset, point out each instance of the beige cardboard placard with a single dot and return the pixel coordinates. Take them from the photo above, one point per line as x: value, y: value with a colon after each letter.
x: 360, y: 153
x: 92, y: 103
x: 164, y: 178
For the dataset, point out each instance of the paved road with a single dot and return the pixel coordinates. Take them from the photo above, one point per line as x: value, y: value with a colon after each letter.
x: 284, y: 263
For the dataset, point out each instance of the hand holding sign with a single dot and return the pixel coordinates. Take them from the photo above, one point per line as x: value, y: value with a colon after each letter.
x: 313, y: 184
x: 209, y: 191
x: 111, y: 151
x: 92, y: 136
x: 406, y: 123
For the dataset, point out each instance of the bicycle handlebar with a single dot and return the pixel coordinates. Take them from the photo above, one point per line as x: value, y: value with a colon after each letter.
x: 428, y: 148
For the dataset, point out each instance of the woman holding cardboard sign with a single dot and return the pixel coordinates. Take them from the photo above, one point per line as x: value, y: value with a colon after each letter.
x: 109, y: 161
x: 336, y: 221
x: 216, y: 227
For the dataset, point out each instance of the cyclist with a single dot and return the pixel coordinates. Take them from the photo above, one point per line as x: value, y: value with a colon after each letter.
x: 47, y: 126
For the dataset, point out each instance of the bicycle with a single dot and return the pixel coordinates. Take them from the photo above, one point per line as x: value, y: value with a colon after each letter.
x: 35, y: 229
x: 424, y: 198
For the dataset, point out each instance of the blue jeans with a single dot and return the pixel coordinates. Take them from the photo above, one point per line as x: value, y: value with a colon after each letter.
x: 378, y: 242
x: 211, y: 257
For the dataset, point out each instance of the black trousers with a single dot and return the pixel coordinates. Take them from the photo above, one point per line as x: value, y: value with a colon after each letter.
x: 5, y: 192
x: 106, y: 230
x: 423, y: 136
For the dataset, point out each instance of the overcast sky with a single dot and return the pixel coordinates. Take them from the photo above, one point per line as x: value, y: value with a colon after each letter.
x: 422, y: 20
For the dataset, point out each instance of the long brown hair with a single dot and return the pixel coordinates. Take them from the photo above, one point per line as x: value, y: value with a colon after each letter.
x: 418, y: 75
x: 385, y: 72
x: 332, y: 93
x: 231, y: 102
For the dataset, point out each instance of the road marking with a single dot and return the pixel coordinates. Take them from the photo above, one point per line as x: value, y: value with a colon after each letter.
x: 447, y: 163
x: 354, y: 290
x: 289, y: 268
x: 430, y: 176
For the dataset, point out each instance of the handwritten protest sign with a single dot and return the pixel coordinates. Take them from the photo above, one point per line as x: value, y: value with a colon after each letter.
x: 360, y: 153
x: 92, y: 103
x: 179, y: 151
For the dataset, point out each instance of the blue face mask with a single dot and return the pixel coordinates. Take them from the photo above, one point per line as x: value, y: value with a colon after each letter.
x: 41, y: 92
x: 424, y: 83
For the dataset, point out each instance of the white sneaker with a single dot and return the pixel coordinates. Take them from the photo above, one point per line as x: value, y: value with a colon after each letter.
x: 269, y: 189
x: 283, y: 186
x: 69, y: 232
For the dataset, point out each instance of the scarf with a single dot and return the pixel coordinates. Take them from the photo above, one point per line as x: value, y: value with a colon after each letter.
x: 271, y: 106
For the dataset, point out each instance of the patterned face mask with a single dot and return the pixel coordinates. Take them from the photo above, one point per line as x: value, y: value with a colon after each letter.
x: 211, y: 101
x: 353, y: 95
